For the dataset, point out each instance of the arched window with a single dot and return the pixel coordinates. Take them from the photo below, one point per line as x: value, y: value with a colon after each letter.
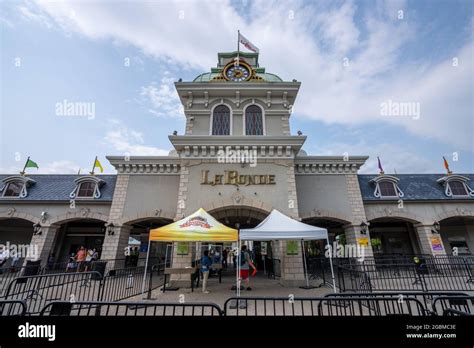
x: 253, y: 120
x: 221, y: 120
x: 457, y: 188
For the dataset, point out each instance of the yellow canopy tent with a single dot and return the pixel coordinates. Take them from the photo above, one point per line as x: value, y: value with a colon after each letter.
x: 197, y: 227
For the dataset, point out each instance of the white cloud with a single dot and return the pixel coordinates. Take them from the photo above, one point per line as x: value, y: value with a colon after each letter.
x: 130, y: 142
x: 309, y: 46
x: 394, y: 157
x: 163, y: 98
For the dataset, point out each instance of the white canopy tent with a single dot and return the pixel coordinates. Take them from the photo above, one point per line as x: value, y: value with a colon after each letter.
x: 278, y: 226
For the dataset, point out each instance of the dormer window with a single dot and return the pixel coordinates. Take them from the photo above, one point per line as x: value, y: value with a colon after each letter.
x: 13, y: 189
x: 15, y: 186
x: 386, y: 186
x: 456, y: 186
x: 87, y: 187
x: 387, y: 189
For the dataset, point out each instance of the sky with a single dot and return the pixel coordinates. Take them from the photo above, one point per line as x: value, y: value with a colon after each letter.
x: 392, y: 79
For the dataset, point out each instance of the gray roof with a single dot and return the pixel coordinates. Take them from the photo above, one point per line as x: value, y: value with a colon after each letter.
x: 58, y: 187
x: 420, y: 187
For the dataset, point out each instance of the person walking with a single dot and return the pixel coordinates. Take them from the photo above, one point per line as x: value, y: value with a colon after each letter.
x: 206, y: 263
x: 245, y: 264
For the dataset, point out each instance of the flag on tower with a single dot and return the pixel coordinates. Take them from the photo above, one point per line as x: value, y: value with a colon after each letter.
x: 380, y: 165
x: 97, y: 164
x: 247, y: 43
x: 446, y: 165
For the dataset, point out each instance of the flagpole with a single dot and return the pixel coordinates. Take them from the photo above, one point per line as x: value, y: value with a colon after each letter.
x: 93, y: 166
x: 238, y: 45
x: 24, y: 168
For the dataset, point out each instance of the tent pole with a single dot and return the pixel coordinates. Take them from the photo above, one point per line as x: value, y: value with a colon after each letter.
x: 146, y: 266
x: 239, y: 246
x: 304, y: 263
x: 332, y: 269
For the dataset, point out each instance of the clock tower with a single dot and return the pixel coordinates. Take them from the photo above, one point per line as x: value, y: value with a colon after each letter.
x: 238, y: 149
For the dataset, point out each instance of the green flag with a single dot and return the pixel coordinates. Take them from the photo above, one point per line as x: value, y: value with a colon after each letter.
x: 31, y: 164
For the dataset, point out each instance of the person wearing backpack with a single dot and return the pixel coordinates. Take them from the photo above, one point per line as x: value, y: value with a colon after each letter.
x: 245, y: 264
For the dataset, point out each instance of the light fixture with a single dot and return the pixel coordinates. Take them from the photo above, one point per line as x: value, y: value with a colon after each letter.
x: 300, y: 132
x: 364, y: 226
x: 110, y: 229
x: 44, y: 216
x: 436, y: 227
x: 175, y: 132
x: 37, y: 229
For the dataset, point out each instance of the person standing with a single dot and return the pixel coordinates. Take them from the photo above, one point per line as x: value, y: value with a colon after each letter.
x: 225, y: 254
x: 81, y: 258
x: 245, y: 264
x: 206, y: 263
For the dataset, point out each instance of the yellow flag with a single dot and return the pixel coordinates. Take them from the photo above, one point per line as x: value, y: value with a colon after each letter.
x: 97, y: 164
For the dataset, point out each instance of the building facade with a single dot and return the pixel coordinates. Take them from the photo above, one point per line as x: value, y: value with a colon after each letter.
x: 238, y: 160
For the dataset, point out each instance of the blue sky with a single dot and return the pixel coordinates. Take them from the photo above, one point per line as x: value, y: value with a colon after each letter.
x: 350, y: 56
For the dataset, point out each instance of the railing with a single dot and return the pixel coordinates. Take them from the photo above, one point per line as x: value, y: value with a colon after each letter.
x: 37, y: 291
x: 12, y: 308
x: 439, y: 275
x: 461, y: 304
x: 426, y: 298
x: 134, y: 309
x: 322, y: 306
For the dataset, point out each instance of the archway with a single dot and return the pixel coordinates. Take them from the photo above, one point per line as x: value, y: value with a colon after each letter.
x: 243, y: 217
x: 393, y: 236
x: 457, y: 233
x: 335, y: 229
x: 138, y: 241
x: 74, y: 233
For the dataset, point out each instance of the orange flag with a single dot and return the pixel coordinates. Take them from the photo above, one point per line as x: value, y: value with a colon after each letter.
x: 446, y: 165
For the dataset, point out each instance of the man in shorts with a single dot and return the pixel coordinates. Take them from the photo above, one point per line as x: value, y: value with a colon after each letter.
x: 245, y: 264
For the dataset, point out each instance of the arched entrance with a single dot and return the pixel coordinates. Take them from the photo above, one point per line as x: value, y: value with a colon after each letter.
x: 73, y: 234
x: 139, y: 237
x: 392, y: 236
x: 243, y: 217
x: 457, y: 233
x: 335, y: 229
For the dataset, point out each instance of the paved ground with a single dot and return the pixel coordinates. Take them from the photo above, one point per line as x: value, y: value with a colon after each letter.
x: 219, y: 293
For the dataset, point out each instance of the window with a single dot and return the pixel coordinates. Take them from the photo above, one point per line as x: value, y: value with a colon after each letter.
x: 221, y: 120
x: 86, y: 189
x: 253, y: 120
x: 13, y: 189
x: 387, y: 189
x: 457, y: 188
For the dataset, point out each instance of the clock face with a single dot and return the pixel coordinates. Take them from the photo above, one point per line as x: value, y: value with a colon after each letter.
x: 237, y: 73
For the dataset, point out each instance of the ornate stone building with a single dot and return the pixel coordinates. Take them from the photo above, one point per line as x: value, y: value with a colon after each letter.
x: 238, y: 159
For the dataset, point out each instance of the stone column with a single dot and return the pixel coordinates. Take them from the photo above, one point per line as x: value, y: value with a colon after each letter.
x: 292, y: 272
x: 292, y: 268
x: 424, y: 237
x: 182, y: 261
x: 114, y: 245
x: 41, y: 245
x: 353, y: 233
